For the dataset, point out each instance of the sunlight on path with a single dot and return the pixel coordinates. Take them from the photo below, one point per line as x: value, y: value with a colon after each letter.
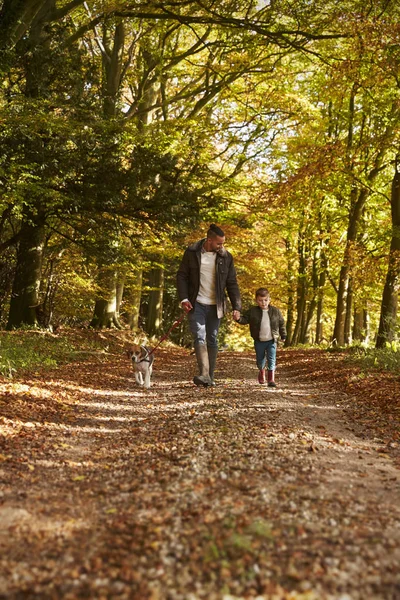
x: 180, y: 493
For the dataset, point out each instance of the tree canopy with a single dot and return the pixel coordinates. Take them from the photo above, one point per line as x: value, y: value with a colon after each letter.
x: 128, y: 127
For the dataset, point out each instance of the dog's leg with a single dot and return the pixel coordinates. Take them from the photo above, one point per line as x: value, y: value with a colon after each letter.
x: 139, y: 378
x: 147, y: 378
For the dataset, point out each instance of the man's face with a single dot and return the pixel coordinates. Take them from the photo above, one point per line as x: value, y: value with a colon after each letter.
x: 214, y: 244
x: 262, y: 301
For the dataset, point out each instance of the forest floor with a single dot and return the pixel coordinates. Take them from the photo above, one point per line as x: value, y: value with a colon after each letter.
x: 109, y: 491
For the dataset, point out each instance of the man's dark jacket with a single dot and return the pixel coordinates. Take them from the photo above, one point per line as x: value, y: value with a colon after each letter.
x: 253, y: 317
x: 188, y: 278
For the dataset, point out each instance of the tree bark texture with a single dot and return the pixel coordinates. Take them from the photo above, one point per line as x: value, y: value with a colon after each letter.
x: 301, y: 290
x: 349, y: 313
x: 312, y: 304
x: 358, y: 199
x: 105, y: 310
x: 25, y: 292
x: 291, y: 287
x: 24, y: 304
x: 345, y: 271
x: 155, y: 308
x: 106, y: 306
x: 16, y: 17
x: 388, y: 317
x: 112, y: 68
x: 120, y: 286
x: 361, y: 324
x: 319, y: 331
x: 134, y: 301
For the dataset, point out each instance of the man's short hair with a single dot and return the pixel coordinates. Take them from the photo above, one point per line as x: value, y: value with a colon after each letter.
x: 215, y: 231
x: 262, y: 292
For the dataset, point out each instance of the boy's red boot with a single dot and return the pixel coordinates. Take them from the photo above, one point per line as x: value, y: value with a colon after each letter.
x: 271, y: 379
x: 261, y: 376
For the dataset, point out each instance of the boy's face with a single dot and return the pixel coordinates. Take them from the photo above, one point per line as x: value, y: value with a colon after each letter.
x: 262, y: 301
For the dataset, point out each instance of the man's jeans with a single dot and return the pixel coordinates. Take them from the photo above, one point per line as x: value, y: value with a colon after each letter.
x: 265, y: 353
x: 204, y: 324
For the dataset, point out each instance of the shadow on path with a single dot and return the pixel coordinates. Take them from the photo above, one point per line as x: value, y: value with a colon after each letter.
x: 242, y: 491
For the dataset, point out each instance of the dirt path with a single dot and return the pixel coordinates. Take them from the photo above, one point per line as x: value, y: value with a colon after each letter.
x: 108, y: 491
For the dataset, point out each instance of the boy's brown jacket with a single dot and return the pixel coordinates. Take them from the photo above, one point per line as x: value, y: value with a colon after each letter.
x: 253, y: 318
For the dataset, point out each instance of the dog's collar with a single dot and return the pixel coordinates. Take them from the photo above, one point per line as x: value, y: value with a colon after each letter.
x: 146, y: 358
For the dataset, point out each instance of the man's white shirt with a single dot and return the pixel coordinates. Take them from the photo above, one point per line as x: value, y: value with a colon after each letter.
x: 206, y: 293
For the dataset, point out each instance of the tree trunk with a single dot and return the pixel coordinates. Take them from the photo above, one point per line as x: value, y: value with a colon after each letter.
x: 112, y: 68
x: 290, y: 319
x: 25, y: 292
x: 106, y: 306
x: 105, y: 310
x: 51, y: 286
x: 345, y: 271
x: 312, y: 305
x: 361, y: 327
x: 388, y: 317
x: 7, y: 274
x: 349, y: 313
x: 154, y: 312
x: 119, y: 293
x: 319, y: 333
x: 24, y: 302
x: 134, y: 301
x: 301, y: 291
x: 358, y: 324
x: 366, y: 327
x: 357, y: 203
x: 16, y: 17
x: 291, y: 292
x: 305, y: 334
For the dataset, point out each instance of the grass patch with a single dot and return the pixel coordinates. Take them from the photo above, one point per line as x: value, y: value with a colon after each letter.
x: 24, y: 350
x: 382, y: 359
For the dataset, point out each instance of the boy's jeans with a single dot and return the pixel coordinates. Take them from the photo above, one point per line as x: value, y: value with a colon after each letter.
x: 265, y: 353
x: 204, y: 324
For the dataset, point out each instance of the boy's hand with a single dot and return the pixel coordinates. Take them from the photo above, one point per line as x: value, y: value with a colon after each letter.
x: 236, y: 315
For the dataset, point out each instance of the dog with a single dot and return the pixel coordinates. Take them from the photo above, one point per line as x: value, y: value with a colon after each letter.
x: 142, y: 363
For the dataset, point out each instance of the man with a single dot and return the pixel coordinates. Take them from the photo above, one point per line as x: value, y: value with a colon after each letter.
x: 205, y: 272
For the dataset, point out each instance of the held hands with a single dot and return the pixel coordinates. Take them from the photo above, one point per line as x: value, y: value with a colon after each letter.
x: 186, y: 306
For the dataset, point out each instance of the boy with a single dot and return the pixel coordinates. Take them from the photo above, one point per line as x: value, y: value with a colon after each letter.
x: 266, y: 326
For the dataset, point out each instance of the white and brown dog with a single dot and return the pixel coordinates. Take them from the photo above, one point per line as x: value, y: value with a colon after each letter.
x: 142, y: 363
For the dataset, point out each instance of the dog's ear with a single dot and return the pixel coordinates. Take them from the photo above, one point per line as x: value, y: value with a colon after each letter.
x: 129, y: 352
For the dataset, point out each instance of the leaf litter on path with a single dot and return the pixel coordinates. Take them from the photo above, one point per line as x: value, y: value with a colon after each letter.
x: 180, y: 493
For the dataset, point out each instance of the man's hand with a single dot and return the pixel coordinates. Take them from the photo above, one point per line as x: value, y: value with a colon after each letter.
x: 186, y: 305
x: 236, y: 315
